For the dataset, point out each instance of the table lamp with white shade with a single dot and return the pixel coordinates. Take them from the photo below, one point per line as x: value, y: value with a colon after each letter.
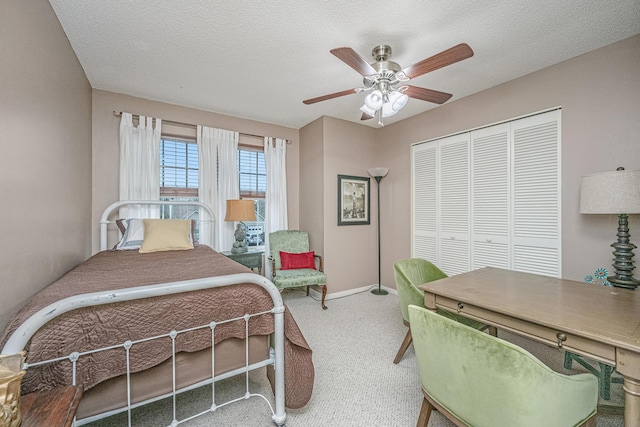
x: 617, y: 193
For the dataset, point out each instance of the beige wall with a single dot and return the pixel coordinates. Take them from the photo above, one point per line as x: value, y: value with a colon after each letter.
x: 45, y: 106
x: 599, y: 95
x: 106, y: 145
x: 312, y: 183
x: 333, y: 147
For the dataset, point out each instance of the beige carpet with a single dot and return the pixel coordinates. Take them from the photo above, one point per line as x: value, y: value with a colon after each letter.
x: 357, y: 384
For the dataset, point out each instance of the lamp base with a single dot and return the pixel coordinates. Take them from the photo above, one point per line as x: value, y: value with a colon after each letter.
x: 239, y: 249
x: 240, y: 245
x: 379, y: 291
x: 623, y: 257
x: 618, y: 283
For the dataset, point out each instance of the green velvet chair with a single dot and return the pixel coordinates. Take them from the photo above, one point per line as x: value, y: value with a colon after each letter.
x: 295, y: 242
x: 409, y: 273
x: 478, y: 380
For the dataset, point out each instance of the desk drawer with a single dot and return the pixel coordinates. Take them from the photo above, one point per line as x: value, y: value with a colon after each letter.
x: 596, y: 350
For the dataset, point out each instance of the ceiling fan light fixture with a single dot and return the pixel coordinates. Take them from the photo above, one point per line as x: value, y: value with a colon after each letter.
x: 399, y: 102
x: 373, y: 101
x: 368, y: 110
x: 387, y: 111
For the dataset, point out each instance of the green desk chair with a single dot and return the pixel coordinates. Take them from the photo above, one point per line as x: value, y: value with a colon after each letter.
x: 475, y: 379
x: 410, y: 273
x: 301, y: 267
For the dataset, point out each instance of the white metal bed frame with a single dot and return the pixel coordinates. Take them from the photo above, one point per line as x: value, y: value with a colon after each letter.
x: 19, y: 339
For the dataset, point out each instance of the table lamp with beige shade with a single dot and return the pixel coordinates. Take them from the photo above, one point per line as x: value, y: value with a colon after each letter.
x: 240, y: 210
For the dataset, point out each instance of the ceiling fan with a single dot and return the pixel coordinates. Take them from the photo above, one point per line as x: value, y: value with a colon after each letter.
x: 385, y: 79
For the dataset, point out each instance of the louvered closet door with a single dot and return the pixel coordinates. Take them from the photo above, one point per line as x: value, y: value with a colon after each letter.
x: 490, y: 204
x: 453, y: 204
x: 424, y: 173
x: 536, y: 194
x: 490, y: 197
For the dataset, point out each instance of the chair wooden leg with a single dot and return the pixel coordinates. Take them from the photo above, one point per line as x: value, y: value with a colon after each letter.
x: 324, y: 294
x: 425, y: 413
x: 591, y: 422
x: 403, y: 347
x: 323, y: 288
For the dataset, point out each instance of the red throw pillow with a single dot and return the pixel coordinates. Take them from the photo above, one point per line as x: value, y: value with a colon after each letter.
x: 293, y: 261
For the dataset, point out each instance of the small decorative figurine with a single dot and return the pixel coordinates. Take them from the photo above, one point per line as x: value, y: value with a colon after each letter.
x: 240, y: 245
x: 599, y: 277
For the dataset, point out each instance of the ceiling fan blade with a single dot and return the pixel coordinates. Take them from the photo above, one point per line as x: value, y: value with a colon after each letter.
x: 427, y: 94
x: 365, y: 116
x: 353, y: 60
x: 442, y: 59
x: 330, y: 96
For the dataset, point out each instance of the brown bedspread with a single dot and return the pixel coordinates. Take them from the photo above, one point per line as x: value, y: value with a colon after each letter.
x: 94, y: 327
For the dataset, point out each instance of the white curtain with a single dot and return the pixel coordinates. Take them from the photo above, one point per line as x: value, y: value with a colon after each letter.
x: 139, y: 164
x: 218, y: 180
x: 275, y: 155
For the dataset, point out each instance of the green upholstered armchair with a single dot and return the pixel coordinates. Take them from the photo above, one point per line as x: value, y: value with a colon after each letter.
x: 409, y: 273
x: 475, y: 379
x: 295, y: 242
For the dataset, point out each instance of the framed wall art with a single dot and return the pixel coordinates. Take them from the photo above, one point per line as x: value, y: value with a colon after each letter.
x: 353, y: 200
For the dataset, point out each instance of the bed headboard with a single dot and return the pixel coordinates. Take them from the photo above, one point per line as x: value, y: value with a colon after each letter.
x: 109, y: 211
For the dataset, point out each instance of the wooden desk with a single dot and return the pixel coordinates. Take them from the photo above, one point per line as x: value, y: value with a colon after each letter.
x: 600, y: 322
x: 55, y: 408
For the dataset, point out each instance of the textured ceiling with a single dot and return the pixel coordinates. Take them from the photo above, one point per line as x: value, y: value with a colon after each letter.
x: 259, y: 59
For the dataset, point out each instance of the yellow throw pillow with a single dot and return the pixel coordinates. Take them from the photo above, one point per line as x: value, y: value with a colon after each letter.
x: 166, y: 235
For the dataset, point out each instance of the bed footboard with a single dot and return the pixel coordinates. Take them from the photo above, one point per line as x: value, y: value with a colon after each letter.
x: 21, y: 336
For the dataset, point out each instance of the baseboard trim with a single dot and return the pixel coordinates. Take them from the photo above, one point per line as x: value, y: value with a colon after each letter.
x: 318, y: 295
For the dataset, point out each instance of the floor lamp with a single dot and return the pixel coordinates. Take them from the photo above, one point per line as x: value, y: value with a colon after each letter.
x: 615, y: 193
x: 377, y: 174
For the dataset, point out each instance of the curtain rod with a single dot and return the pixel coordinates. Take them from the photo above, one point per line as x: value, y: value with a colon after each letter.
x: 190, y: 125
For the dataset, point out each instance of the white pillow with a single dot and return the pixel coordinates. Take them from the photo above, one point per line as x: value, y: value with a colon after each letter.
x: 133, y: 235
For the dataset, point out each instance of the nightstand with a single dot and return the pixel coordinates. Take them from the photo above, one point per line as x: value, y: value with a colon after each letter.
x: 250, y: 259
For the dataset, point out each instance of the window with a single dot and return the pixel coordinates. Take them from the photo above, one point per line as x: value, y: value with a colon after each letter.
x: 179, y: 178
x: 178, y: 169
x: 179, y: 181
x: 252, y: 173
x: 252, y: 176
